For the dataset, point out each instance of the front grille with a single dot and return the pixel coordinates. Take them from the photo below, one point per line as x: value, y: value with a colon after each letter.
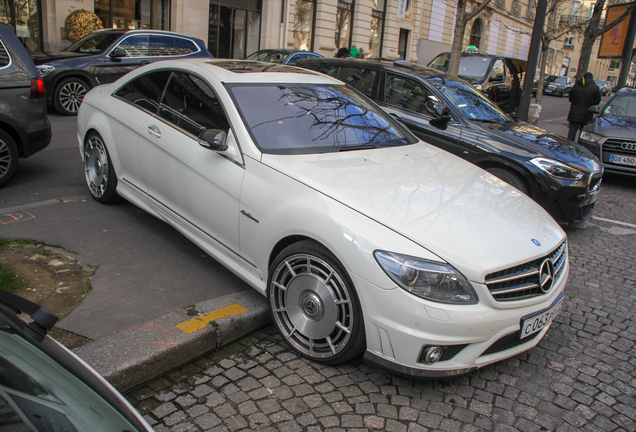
x: 509, y: 341
x: 615, y: 146
x: 522, y: 281
x: 448, y: 352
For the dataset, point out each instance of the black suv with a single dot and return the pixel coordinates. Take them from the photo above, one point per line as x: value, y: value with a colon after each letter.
x: 447, y: 112
x: 104, y: 56
x: 498, y: 77
x: 24, y: 125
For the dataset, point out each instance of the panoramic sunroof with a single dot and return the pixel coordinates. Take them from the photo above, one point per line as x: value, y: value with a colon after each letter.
x: 249, y: 67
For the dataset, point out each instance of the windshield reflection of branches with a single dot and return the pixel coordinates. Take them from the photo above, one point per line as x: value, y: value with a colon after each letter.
x: 621, y: 106
x: 336, y: 119
x: 468, y: 101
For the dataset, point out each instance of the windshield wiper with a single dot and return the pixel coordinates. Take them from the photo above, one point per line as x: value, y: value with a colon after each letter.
x: 358, y: 147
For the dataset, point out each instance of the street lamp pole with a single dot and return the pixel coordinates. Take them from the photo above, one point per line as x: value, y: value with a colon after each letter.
x: 533, y: 56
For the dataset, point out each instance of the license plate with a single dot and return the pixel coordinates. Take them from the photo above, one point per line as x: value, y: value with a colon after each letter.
x: 623, y: 160
x: 537, y: 322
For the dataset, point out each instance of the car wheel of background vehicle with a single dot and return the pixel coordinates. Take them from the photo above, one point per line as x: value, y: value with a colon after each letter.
x: 98, y: 170
x: 8, y: 157
x: 314, y: 305
x: 68, y: 96
x: 510, y: 178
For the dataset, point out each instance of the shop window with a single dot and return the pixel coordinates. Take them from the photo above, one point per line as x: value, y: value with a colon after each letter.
x: 344, y: 18
x: 377, y: 28
x: 475, y: 34
x: 134, y: 14
x: 24, y: 17
x: 304, y: 24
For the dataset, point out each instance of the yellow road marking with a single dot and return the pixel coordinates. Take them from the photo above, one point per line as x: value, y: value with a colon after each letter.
x: 199, y: 322
x: 8, y: 218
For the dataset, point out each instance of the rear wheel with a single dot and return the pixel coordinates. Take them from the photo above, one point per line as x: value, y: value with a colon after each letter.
x: 314, y: 304
x: 98, y: 170
x: 8, y: 157
x: 68, y: 95
x: 509, y: 177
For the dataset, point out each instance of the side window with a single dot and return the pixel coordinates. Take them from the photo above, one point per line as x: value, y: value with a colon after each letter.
x: 146, y: 90
x: 360, y: 79
x: 497, y: 74
x: 163, y: 46
x: 294, y: 58
x: 190, y: 104
x: 329, y: 70
x: 136, y: 46
x: 409, y: 94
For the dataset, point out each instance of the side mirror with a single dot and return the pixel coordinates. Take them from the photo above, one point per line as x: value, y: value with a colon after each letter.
x: 213, y: 139
x: 596, y: 109
x: 118, y: 53
x: 496, y: 78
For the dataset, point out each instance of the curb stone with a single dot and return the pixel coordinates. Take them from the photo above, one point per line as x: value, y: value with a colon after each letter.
x: 143, y: 352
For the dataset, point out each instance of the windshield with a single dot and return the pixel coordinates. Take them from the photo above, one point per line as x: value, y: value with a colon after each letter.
x: 468, y: 101
x: 621, y: 106
x: 95, y: 43
x: 268, y: 56
x: 556, y: 79
x: 469, y: 66
x: 314, y: 118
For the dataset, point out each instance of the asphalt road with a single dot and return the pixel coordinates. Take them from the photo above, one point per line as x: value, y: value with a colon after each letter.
x: 143, y: 267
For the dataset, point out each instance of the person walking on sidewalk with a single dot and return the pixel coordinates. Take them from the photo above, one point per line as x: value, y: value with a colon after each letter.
x: 584, y: 94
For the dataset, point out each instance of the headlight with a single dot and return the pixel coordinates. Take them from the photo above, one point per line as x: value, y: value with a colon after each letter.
x: 558, y: 169
x: 588, y: 136
x: 44, y: 69
x: 431, y: 280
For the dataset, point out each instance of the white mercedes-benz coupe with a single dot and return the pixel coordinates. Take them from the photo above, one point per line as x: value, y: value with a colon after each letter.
x: 363, y: 238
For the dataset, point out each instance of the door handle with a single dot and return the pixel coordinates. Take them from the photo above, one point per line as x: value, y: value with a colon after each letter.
x: 154, y: 130
x: 145, y: 62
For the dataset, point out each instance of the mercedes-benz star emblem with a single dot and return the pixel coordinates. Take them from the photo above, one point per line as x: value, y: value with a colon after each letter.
x: 537, y: 242
x: 546, y: 275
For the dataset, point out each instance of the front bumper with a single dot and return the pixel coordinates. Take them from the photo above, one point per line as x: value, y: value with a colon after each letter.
x: 605, y: 148
x: 399, y: 326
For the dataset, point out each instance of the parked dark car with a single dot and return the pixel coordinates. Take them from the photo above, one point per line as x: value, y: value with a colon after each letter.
x: 44, y: 387
x: 558, y: 85
x: 611, y: 136
x: 604, y: 86
x: 282, y: 56
x: 24, y: 125
x: 449, y: 113
x: 500, y: 78
x: 104, y: 56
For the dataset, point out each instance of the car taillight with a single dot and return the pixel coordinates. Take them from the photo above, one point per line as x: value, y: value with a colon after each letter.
x: 37, y: 88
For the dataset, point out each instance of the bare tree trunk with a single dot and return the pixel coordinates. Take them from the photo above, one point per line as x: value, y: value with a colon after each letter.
x: 589, y: 38
x: 460, y: 30
x: 544, y: 61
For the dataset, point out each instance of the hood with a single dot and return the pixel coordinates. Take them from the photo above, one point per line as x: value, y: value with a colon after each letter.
x: 614, y: 127
x: 470, y: 219
x: 48, y: 57
x: 534, y: 141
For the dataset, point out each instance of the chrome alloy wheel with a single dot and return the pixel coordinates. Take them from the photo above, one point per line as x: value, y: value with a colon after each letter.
x: 71, y: 95
x: 312, y: 306
x: 96, y: 166
x: 5, y: 158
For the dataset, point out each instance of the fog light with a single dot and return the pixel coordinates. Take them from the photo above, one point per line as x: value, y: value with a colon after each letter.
x: 432, y: 354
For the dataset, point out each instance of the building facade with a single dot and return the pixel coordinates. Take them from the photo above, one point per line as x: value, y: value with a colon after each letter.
x: 413, y: 30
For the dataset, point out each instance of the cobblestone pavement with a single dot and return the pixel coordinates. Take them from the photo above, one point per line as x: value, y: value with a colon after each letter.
x: 581, y: 377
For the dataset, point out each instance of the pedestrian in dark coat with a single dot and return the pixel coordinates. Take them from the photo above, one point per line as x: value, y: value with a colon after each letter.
x: 584, y: 94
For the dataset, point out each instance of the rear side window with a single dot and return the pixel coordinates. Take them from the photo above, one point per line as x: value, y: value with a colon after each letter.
x: 329, y: 70
x: 360, y: 79
x: 4, y: 56
x: 191, y: 105
x: 162, y: 46
x: 146, y: 90
x: 136, y: 46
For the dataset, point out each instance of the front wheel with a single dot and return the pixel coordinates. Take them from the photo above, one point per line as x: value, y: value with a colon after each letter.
x: 8, y: 157
x: 314, y: 305
x: 509, y: 177
x: 68, y: 95
x: 98, y: 170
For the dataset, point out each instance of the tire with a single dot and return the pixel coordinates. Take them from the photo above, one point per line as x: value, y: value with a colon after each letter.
x: 509, y: 177
x: 68, y: 95
x: 98, y: 170
x: 8, y: 157
x: 314, y: 305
